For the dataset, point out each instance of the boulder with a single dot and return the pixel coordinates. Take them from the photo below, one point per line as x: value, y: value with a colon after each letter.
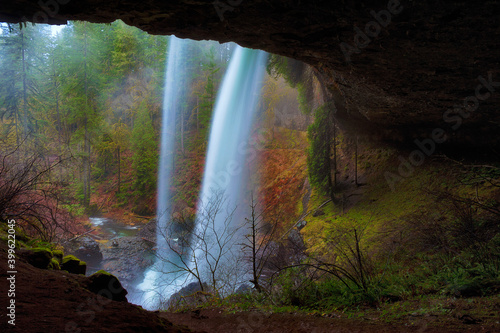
x: 38, y: 257
x: 107, y: 285
x: 72, y: 264
x: 127, y: 258
x: 148, y: 231
x: 244, y: 289
x: 190, y: 296
x: 87, y: 249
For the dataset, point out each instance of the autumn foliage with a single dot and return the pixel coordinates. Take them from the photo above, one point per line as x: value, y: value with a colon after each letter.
x: 282, y: 174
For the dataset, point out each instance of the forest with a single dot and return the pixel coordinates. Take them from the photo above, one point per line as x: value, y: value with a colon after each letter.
x: 84, y: 106
x: 324, y: 229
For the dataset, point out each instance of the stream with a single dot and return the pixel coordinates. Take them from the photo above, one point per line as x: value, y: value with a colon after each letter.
x: 118, y: 248
x: 110, y: 229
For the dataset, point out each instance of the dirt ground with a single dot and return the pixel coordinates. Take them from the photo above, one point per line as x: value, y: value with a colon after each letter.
x: 215, y: 320
x: 55, y: 301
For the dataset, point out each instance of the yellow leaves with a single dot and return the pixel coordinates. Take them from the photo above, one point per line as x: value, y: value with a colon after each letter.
x: 8, y: 132
x: 120, y: 134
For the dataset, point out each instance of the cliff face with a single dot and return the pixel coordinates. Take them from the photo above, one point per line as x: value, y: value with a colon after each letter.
x: 398, y: 69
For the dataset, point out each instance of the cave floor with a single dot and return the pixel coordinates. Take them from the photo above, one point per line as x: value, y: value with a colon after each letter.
x: 216, y: 320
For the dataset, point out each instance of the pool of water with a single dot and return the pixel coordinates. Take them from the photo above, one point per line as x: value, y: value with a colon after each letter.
x: 109, y: 228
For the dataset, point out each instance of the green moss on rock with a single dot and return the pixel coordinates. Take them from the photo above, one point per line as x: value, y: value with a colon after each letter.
x: 72, y: 264
x: 106, y: 285
x: 58, y: 255
x: 102, y: 272
x: 38, y: 257
x: 54, y: 264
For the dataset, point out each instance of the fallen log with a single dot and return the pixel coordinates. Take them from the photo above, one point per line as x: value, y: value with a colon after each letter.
x: 76, y: 237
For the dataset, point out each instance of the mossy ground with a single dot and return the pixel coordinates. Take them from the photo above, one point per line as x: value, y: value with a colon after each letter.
x: 410, y: 279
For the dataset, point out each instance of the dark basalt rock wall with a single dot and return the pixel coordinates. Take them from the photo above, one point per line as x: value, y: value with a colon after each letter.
x: 410, y: 62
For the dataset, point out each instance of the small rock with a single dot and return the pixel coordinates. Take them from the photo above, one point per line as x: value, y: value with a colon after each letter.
x: 468, y: 320
x: 196, y: 314
x: 243, y: 289
x: 318, y: 212
x: 301, y: 224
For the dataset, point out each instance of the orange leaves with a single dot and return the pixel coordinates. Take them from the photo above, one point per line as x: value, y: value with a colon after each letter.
x: 282, y: 173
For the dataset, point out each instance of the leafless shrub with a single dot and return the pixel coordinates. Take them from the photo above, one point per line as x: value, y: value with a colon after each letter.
x: 204, y: 252
x: 28, y: 196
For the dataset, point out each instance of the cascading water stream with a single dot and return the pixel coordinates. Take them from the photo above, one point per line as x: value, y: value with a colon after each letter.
x: 224, y: 170
x: 225, y: 176
x: 153, y: 286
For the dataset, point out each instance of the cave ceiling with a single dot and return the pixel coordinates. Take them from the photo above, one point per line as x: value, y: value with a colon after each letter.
x: 395, y: 68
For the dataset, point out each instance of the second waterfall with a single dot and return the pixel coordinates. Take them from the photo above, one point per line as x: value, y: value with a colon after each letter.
x: 222, y: 208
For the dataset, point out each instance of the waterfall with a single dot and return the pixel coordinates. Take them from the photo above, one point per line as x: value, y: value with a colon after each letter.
x: 224, y: 173
x: 225, y: 177
x: 153, y: 286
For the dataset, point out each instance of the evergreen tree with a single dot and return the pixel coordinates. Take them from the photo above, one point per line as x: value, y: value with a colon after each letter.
x: 17, y: 83
x: 145, y: 155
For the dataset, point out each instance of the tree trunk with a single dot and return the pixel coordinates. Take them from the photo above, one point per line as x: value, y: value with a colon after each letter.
x: 59, y: 129
x: 84, y: 169
x: 17, y: 121
x: 256, y: 267
x: 334, y: 155
x: 197, y: 114
x: 119, y: 170
x: 88, y: 168
x: 254, y: 254
x: 86, y: 143
x: 356, y: 161
x: 182, y: 132
x: 25, y: 93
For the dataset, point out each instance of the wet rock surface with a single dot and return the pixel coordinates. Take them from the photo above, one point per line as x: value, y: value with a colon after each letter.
x: 127, y: 258
x: 148, y: 231
x: 86, y: 249
x: 191, y: 295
